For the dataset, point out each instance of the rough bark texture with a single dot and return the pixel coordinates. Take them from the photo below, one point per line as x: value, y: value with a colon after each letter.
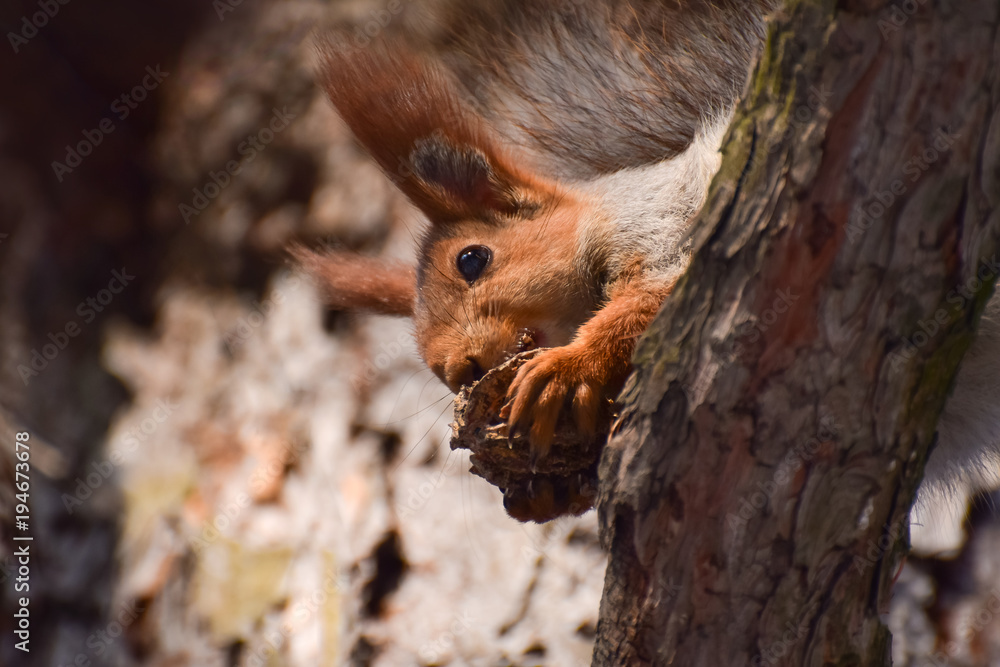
x: 755, y: 491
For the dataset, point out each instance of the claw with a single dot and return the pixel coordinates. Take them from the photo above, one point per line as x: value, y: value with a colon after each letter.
x: 539, y: 391
x: 516, y: 431
x: 586, y: 403
x: 535, y: 456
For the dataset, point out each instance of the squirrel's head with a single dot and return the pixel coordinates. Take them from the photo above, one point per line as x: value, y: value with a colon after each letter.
x: 501, y: 268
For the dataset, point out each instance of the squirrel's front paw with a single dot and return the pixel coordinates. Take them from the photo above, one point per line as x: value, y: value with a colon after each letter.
x: 542, y: 387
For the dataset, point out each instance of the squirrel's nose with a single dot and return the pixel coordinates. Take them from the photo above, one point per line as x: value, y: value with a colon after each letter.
x: 465, y: 372
x: 473, y: 371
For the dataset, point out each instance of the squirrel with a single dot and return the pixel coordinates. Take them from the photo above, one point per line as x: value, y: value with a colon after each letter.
x: 560, y: 161
x: 559, y: 194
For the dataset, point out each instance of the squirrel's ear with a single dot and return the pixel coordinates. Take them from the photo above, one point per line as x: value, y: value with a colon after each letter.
x: 439, y: 152
x: 354, y: 282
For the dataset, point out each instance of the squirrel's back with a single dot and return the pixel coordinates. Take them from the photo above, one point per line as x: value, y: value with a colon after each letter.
x: 592, y: 87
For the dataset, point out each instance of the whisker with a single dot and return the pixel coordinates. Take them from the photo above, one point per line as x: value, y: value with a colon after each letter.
x: 465, y: 492
x: 420, y: 411
x: 421, y: 439
x: 457, y: 328
x: 451, y: 314
x: 400, y: 396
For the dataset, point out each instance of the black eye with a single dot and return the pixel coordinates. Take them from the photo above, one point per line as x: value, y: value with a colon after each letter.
x: 472, y: 261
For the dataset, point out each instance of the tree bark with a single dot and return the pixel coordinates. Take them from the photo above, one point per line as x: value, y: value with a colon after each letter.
x: 755, y: 491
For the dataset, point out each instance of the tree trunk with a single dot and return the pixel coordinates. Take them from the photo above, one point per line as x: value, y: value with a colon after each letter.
x: 755, y: 492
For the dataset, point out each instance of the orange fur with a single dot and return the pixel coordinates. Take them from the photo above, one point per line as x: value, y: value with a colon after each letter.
x: 532, y: 285
x: 354, y: 282
x: 591, y: 368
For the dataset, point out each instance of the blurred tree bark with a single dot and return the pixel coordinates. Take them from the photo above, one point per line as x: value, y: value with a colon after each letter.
x: 755, y: 493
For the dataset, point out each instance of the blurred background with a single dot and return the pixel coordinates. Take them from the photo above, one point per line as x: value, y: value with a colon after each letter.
x: 224, y: 472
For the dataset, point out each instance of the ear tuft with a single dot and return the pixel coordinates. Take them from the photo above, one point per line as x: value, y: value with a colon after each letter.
x: 407, y: 113
x: 467, y: 176
x: 354, y: 282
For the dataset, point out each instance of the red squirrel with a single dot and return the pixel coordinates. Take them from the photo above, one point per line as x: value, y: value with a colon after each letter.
x: 560, y: 162
x: 558, y: 194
